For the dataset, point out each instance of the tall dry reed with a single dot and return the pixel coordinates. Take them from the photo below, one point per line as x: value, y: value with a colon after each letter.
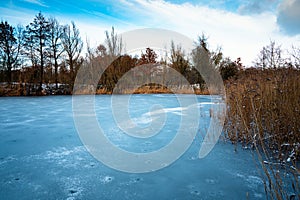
x: 264, y: 114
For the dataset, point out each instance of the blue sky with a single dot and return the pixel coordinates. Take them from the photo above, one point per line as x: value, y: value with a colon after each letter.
x: 240, y: 27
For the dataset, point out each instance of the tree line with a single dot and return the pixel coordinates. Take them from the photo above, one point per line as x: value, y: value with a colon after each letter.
x: 46, y: 52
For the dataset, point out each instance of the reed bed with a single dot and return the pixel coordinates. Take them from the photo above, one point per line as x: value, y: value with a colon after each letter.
x: 264, y: 114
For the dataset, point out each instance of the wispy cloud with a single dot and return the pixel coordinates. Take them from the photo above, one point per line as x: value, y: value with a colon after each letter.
x: 17, y: 16
x: 36, y: 2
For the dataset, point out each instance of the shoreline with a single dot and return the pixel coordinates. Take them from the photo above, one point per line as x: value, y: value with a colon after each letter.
x: 13, y: 91
x: 96, y: 94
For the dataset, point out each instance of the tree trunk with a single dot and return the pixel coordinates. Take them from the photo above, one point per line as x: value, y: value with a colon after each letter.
x: 9, y: 74
x: 55, y: 71
x: 42, y: 65
x: 71, y: 70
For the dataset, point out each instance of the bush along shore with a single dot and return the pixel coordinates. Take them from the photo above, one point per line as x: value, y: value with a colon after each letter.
x: 30, y: 89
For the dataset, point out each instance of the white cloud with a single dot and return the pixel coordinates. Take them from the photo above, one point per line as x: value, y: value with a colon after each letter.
x: 37, y: 2
x: 239, y: 35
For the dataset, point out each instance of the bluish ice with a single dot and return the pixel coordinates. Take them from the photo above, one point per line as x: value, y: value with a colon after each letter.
x: 42, y: 156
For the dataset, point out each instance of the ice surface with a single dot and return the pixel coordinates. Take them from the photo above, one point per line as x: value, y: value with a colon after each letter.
x: 42, y: 157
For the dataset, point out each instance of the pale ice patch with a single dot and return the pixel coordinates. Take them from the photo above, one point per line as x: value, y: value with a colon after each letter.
x: 258, y: 195
x: 143, y: 120
x: 175, y: 110
x: 206, y: 103
x: 178, y: 113
x: 61, y: 152
x: 62, y: 156
x: 149, y: 117
x: 254, y: 182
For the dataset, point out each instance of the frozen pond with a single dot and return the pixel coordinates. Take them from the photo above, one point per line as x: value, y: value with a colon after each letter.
x: 42, y: 156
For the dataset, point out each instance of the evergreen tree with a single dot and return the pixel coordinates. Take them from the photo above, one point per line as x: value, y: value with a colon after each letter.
x: 178, y: 60
x: 10, y: 41
x: 37, y: 40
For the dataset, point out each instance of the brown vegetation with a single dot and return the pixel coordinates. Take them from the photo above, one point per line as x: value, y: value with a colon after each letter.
x: 264, y: 113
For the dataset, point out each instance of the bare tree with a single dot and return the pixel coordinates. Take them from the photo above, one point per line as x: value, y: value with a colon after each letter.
x: 72, y: 44
x: 94, y: 61
x: 270, y: 57
x: 56, y: 48
x: 295, y: 54
x: 114, y: 43
x: 28, y: 50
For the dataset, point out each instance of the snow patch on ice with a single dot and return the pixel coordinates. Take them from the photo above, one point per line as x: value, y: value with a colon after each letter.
x: 62, y: 156
x: 257, y: 195
x: 6, y: 160
x: 106, y: 179
x: 73, y: 187
x: 61, y: 152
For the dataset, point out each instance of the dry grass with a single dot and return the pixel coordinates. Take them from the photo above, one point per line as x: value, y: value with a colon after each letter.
x: 103, y: 91
x: 264, y: 113
x: 157, y: 89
